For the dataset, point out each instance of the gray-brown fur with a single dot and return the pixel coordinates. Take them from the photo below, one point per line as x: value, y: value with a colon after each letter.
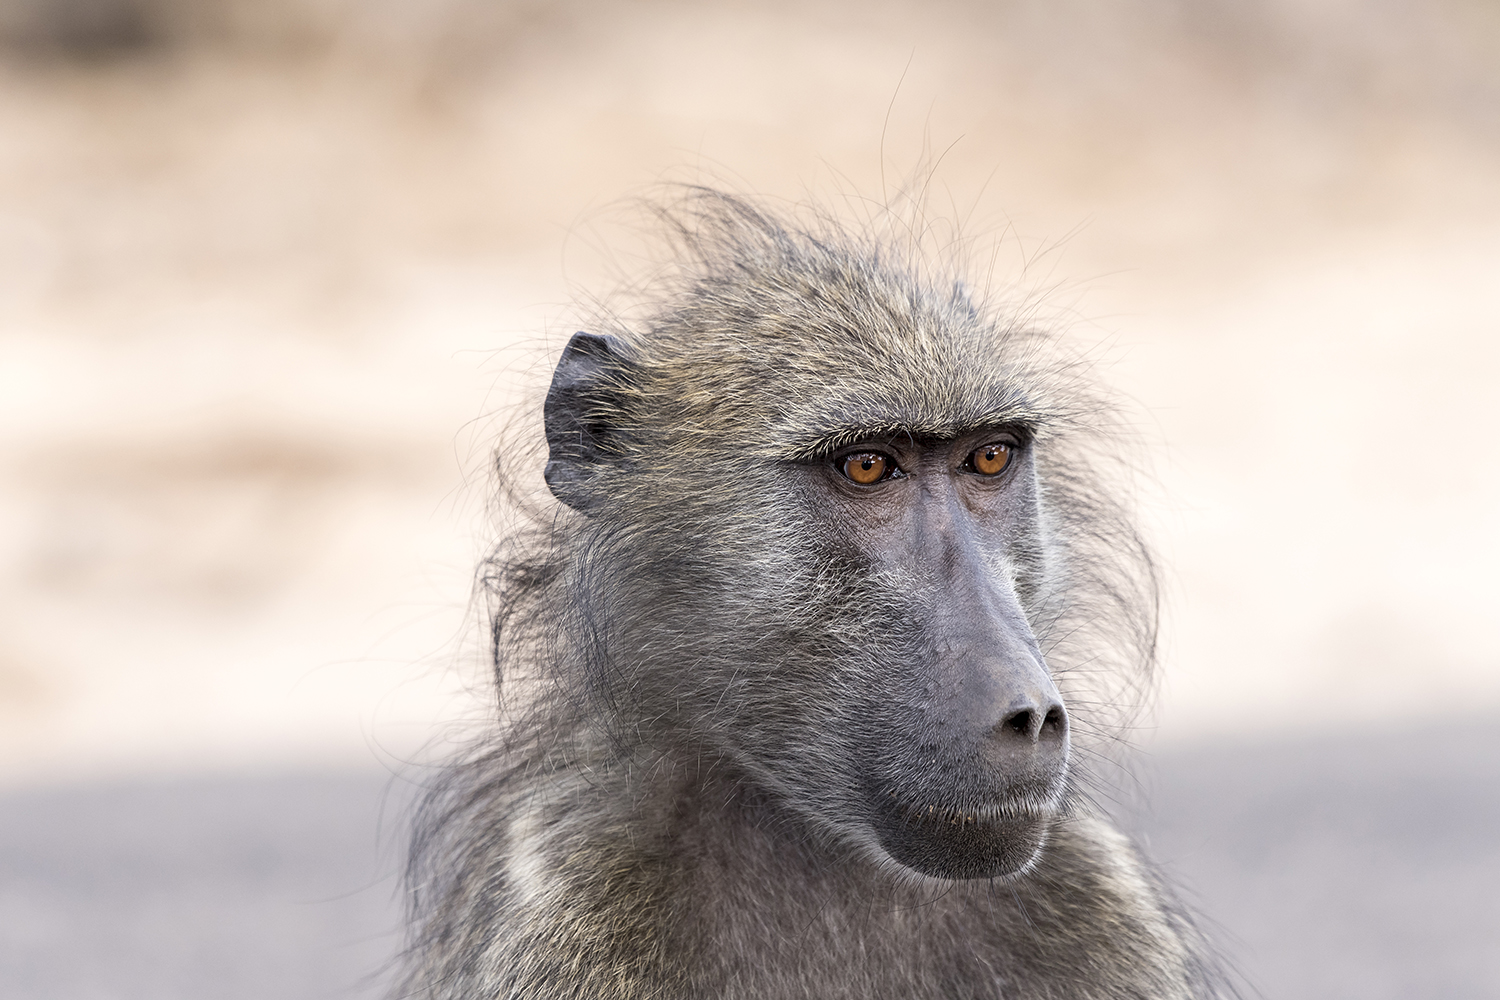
x: 699, y: 678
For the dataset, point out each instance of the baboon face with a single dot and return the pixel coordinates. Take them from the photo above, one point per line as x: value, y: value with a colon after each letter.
x: 962, y: 737
x: 842, y: 617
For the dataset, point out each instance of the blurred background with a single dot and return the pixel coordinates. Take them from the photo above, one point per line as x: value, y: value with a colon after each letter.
x: 273, y: 273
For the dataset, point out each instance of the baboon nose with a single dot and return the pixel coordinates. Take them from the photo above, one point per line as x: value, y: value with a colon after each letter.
x: 1035, y: 721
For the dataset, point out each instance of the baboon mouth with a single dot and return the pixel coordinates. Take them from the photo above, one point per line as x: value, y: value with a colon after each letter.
x: 963, y: 842
x: 983, y: 815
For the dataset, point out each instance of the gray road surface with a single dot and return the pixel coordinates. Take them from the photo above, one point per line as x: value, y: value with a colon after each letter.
x: 1364, y: 866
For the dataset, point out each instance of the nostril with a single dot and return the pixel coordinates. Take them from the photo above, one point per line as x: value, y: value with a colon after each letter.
x: 1055, y: 723
x: 1021, y: 722
x: 1031, y: 725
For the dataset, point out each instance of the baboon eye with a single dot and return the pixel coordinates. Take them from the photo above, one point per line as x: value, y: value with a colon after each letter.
x: 866, y: 467
x: 990, y: 460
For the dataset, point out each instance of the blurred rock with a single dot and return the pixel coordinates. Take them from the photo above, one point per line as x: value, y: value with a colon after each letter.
x: 82, y: 27
x: 437, y: 29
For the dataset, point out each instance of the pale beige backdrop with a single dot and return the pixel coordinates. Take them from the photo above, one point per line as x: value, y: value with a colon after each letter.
x: 271, y: 272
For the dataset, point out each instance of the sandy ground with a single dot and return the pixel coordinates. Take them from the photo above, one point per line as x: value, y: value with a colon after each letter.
x: 1354, y: 867
x: 273, y: 275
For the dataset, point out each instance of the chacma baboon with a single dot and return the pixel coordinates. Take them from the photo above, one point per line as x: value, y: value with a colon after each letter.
x: 799, y: 665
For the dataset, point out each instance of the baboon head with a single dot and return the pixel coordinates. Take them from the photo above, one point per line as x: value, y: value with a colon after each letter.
x: 812, y: 543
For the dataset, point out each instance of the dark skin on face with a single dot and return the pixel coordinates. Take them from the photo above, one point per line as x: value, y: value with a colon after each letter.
x: 963, y: 740
x: 981, y: 711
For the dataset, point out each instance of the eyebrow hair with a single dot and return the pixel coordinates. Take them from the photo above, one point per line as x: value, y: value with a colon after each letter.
x: 824, y: 445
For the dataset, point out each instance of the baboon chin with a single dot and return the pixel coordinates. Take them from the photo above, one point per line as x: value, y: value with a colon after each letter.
x: 991, y: 835
x: 828, y: 595
x: 962, y: 844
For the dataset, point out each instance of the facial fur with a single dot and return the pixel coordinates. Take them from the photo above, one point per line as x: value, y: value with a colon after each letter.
x: 802, y: 653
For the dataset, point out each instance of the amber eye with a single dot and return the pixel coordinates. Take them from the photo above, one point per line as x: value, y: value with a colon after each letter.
x: 866, y: 467
x: 991, y: 459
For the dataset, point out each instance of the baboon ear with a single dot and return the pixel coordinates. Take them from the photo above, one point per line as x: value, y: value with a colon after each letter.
x: 579, y: 411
